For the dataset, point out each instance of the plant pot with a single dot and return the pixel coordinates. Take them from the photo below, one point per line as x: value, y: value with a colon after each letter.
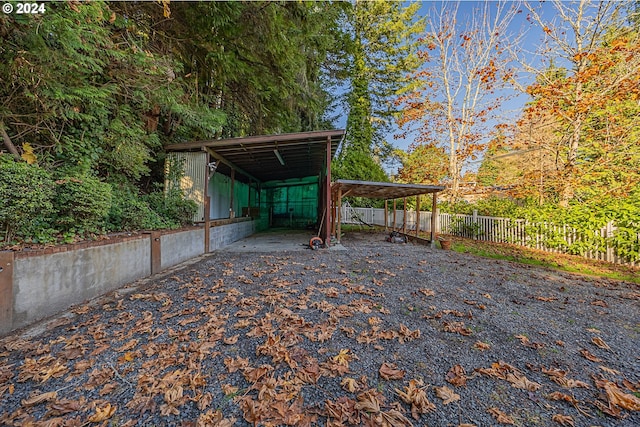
x: 445, y: 244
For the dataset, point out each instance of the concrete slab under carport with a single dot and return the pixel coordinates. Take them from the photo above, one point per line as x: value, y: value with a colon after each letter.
x: 273, y: 240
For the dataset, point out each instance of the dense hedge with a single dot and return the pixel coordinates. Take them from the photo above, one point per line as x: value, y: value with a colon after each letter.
x: 586, y: 217
x: 38, y: 207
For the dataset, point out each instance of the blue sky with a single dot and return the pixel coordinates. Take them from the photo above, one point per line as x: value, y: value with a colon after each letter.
x: 530, y: 42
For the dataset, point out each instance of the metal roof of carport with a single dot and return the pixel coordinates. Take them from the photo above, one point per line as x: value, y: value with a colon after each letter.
x: 381, y: 190
x: 258, y: 157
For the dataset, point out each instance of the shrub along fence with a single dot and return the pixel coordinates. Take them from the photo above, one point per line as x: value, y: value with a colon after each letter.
x: 603, y: 244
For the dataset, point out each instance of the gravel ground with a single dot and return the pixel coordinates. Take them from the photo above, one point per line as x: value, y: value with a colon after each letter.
x: 380, y: 335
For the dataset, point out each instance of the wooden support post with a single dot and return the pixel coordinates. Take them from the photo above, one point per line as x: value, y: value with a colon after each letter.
x: 334, y: 213
x: 418, y: 215
x: 6, y: 290
x: 249, y: 199
x: 327, y: 189
x: 232, y: 213
x: 156, y: 252
x: 207, y: 206
x: 386, y: 215
x: 434, y: 219
x: 394, y: 215
x: 404, y: 216
x: 339, y: 233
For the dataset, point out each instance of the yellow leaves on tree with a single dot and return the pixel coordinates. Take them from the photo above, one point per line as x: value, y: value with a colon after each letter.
x: 28, y: 154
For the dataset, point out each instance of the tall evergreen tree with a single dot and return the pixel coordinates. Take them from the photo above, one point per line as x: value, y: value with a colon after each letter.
x: 382, y: 54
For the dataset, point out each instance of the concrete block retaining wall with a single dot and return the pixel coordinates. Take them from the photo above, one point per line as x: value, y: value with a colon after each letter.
x: 179, y: 247
x: 222, y: 236
x: 38, y: 284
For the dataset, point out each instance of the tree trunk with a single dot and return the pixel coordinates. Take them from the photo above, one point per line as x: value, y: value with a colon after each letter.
x: 7, y: 141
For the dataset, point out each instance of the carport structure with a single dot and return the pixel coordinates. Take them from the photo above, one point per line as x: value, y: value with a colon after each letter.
x: 278, y: 180
x: 382, y: 190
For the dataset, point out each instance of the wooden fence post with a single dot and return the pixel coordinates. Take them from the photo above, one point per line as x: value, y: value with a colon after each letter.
x: 6, y: 290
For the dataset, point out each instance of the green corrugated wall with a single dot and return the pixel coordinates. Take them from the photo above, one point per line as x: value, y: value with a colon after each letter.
x: 291, y: 203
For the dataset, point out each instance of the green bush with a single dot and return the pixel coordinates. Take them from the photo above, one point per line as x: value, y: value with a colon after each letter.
x: 129, y: 212
x: 26, y: 192
x: 173, y: 207
x: 82, y: 204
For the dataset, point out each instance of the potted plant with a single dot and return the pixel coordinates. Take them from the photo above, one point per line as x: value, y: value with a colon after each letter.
x: 445, y: 242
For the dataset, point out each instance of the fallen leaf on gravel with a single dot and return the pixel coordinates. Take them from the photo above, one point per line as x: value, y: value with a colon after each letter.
x: 214, y: 419
x: 415, y: 395
x: 39, y: 398
x: 349, y: 384
x: 587, y: 355
x: 482, y: 346
x: 55, y: 371
x: 108, y: 388
x: 633, y: 387
x: 500, y: 416
x: 446, y: 394
x: 556, y: 395
x: 524, y: 340
x: 229, y: 389
x: 390, y: 371
x: 65, y: 406
x: 204, y: 401
x: 565, y: 420
x: 456, y: 376
x: 393, y: 418
x: 406, y: 334
x: 254, y: 374
x: 547, y: 299
x: 128, y: 357
x: 560, y: 377
x: 231, y: 340
x: 522, y: 382
x: 467, y: 425
x: 234, y: 364
x: 600, y: 303
x: 609, y: 370
x: 618, y: 397
x: 102, y: 414
x: 343, y: 358
x: 600, y: 343
x: 374, y: 321
x: 128, y: 346
x: 497, y: 370
x: 457, y: 327
x: 368, y: 401
x: 427, y: 292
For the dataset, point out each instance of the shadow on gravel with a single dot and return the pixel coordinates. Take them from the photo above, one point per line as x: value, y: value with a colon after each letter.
x: 381, y: 334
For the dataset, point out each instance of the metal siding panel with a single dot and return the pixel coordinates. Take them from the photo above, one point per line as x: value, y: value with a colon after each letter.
x: 192, y: 183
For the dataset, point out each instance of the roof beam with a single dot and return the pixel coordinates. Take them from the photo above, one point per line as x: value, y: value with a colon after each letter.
x: 302, y: 137
x: 230, y: 164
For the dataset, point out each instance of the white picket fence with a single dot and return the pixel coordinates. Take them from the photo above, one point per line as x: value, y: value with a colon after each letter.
x: 547, y: 237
